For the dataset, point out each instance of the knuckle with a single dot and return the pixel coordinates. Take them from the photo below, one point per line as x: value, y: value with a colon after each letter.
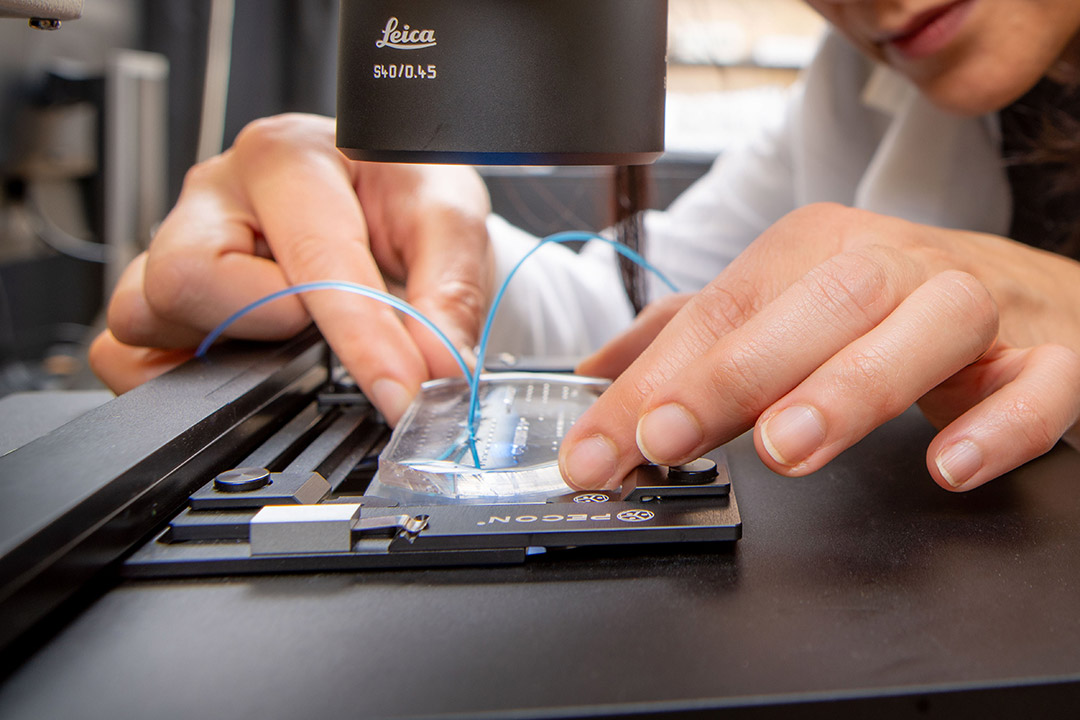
x: 269, y: 132
x: 854, y: 286
x: 869, y: 375
x: 1033, y: 425
x: 263, y: 136
x: 202, y: 174
x: 304, y: 258
x: 972, y: 303
x: 124, y: 321
x: 464, y: 301
x: 738, y: 379
x: 723, y: 308
x: 291, y: 132
x: 172, y: 285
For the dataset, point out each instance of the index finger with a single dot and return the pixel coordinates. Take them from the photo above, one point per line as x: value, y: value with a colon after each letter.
x: 723, y: 351
x: 313, y: 223
x: 600, y: 448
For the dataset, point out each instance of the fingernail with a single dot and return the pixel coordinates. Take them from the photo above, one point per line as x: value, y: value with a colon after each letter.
x: 669, y: 434
x: 959, y: 462
x: 391, y: 397
x: 793, y: 434
x: 591, y: 463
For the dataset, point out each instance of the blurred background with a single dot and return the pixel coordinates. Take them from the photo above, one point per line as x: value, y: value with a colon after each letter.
x: 100, y: 120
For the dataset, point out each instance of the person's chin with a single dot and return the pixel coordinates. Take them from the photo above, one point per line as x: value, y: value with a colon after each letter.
x: 964, y: 90
x: 967, y: 101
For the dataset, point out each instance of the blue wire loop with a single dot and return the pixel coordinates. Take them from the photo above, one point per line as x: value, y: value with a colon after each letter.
x: 348, y: 287
x: 472, y: 377
x: 563, y: 237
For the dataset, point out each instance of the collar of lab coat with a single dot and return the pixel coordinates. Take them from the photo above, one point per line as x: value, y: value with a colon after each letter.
x: 931, y: 166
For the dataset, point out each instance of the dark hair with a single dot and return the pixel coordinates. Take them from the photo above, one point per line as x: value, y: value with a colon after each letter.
x: 1058, y: 141
x: 1041, y: 147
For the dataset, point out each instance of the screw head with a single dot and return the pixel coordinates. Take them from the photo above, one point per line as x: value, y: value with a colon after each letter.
x: 242, y: 480
x: 696, y: 472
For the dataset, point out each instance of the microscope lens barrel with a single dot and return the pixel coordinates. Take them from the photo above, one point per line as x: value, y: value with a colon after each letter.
x: 502, y: 82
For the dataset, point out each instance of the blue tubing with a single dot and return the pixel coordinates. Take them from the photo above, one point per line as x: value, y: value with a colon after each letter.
x: 355, y: 289
x: 564, y: 237
x: 472, y: 377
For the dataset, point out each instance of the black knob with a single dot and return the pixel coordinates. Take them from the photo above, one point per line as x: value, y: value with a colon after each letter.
x: 242, y: 480
x: 696, y: 472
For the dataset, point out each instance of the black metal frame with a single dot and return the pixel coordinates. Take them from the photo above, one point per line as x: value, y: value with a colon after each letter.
x: 80, y: 498
x: 84, y: 497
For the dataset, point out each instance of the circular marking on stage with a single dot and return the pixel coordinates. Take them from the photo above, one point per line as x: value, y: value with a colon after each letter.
x: 592, y: 498
x: 636, y: 515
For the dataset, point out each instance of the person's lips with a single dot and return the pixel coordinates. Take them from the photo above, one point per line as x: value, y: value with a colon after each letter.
x: 928, y: 32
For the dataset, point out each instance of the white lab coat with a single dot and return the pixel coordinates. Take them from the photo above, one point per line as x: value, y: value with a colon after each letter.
x: 854, y: 133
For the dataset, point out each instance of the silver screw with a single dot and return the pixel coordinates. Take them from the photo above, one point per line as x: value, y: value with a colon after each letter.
x: 44, y: 23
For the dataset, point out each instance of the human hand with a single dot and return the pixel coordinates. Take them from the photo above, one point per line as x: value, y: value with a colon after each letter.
x: 284, y: 207
x: 833, y: 322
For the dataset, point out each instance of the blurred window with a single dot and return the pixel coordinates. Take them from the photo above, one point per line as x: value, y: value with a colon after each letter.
x: 730, y: 63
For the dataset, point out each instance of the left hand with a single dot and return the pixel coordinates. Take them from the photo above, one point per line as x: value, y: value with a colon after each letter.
x: 283, y: 207
x: 831, y: 323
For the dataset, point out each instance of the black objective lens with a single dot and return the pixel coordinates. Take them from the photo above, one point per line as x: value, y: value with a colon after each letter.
x: 502, y: 82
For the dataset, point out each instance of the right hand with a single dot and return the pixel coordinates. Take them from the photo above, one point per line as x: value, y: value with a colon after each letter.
x: 282, y: 207
x: 831, y: 323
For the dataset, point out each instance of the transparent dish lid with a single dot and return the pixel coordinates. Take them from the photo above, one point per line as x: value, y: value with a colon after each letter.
x: 523, y: 419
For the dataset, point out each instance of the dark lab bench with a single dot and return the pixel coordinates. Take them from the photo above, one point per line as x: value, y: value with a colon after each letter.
x: 864, y: 590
